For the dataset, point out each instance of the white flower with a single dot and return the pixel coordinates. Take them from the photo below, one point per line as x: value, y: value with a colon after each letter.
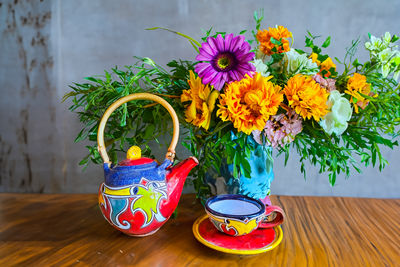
x: 336, y: 120
x: 261, y: 67
x: 386, y: 39
x: 388, y: 58
x: 375, y: 44
x: 299, y: 63
x: 385, y: 53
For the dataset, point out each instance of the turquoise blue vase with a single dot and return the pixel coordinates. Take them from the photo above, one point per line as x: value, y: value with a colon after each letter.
x: 258, y: 186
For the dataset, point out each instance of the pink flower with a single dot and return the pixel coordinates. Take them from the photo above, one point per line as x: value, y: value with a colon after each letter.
x: 280, y: 129
x: 328, y: 83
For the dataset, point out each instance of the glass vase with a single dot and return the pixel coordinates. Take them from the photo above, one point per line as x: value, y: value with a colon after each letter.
x: 258, y: 186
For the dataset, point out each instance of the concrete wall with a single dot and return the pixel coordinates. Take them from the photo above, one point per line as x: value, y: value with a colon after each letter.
x: 46, y: 45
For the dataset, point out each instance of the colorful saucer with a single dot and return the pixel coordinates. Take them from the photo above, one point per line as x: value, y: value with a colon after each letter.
x: 258, y: 241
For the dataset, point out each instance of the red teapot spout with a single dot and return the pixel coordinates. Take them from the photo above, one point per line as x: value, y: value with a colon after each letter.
x: 175, y: 179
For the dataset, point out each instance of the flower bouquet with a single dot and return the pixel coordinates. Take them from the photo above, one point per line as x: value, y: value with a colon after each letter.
x: 241, y: 98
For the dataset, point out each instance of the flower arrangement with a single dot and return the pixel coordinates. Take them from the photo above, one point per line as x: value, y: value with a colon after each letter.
x: 262, y: 87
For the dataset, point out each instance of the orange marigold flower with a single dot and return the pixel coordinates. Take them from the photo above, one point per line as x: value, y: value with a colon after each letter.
x: 279, y: 33
x: 327, y: 65
x: 356, y: 85
x: 250, y: 102
x: 198, y: 112
x: 306, y: 97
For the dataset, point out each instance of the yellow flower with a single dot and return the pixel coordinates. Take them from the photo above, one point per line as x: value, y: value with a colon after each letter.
x: 198, y: 112
x: 279, y: 33
x: 314, y: 58
x: 306, y: 97
x: 327, y: 65
x: 356, y: 85
x: 250, y: 102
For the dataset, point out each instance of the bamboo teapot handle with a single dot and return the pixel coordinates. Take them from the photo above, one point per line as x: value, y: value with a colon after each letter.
x: 138, y: 96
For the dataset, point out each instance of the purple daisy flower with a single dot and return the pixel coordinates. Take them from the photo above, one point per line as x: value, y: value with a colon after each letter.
x: 228, y: 59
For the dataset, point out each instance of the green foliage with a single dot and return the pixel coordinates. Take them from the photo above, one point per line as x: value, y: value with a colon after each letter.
x: 133, y: 123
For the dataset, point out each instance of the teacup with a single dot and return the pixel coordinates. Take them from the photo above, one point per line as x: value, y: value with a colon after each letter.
x: 238, y: 215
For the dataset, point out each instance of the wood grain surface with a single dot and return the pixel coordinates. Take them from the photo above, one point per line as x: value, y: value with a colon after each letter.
x: 42, y: 230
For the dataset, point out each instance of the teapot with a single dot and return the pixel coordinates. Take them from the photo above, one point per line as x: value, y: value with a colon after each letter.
x: 139, y: 195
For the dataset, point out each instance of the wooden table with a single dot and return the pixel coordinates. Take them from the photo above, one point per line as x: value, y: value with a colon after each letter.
x: 42, y: 230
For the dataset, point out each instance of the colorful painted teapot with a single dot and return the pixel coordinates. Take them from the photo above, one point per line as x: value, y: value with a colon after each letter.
x: 139, y: 195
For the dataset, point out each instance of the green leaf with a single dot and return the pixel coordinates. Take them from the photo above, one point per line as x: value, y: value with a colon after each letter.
x: 300, y: 51
x: 309, y: 43
x: 255, y: 16
x: 316, y: 50
x: 338, y: 60
x: 235, y: 167
x: 286, y: 155
x: 148, y: 117
x: 82, y: 135
x: 246, y: 167
x: 84, y: 161
x: 93, y: 136
x: 373, y: 152
x: 275, y: 42
x: 356, y: 63
x: 92, y: 79
x: 327, y: 42
x: 332, y: 178
x: 124, y: 114
x: 149, y: 132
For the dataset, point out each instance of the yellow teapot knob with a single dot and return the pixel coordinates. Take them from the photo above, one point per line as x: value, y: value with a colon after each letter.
x: 134, y: 152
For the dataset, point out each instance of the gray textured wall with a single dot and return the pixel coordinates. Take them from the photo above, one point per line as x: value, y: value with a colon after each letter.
x: 46, y: 45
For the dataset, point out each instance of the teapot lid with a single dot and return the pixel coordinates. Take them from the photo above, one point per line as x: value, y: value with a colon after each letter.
x: 134, y: 157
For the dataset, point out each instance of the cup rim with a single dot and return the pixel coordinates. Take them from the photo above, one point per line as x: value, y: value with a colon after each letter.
x: 242, y: 217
